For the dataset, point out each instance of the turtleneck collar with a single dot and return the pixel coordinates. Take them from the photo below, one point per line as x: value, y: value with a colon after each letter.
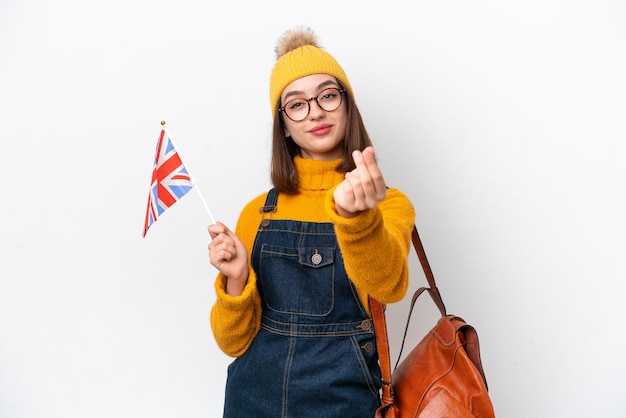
x: 317, y: 174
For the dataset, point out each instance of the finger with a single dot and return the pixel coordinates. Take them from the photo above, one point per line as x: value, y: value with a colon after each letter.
x: 367, y: 191
x: 369, y: 161
x: 343, y: 196
x: 223, y: 255
x: 354, y: 188
x: 226, y: 240
x: 215, y: 229
x: 218, y: 228
x: 366, y: 162
x: 361, y: 166
x: 376, y: 189
x: 222, y: 252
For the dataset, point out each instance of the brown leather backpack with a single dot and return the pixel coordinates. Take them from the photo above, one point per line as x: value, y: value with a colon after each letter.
x: 443, y: 375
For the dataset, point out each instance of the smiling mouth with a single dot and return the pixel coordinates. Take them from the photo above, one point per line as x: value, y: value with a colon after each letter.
x: 320, y: 130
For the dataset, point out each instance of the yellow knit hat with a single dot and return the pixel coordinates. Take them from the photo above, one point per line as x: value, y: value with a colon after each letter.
x: 299, y: 55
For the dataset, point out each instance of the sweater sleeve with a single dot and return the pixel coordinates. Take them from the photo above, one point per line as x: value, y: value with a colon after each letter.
x: 375, y: 245
x: 235, y: 320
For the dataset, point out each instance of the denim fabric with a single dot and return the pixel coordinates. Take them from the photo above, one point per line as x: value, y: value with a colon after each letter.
x: 315, y: 355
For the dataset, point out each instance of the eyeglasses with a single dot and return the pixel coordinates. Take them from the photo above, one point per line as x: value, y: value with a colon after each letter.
x: 298, y: 109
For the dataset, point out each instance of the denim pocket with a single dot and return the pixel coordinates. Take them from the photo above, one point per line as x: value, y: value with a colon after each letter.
x: 297, y: 280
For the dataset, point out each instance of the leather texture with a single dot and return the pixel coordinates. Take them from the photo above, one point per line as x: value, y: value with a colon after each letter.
x: 442, y: 377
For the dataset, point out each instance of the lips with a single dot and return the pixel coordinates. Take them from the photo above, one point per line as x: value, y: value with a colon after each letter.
x: 320, y: 130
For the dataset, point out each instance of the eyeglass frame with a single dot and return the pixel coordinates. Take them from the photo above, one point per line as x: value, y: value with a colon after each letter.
x: 341, y: 91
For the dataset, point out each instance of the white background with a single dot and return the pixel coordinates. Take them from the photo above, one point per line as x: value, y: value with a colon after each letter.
x: 504, y: 122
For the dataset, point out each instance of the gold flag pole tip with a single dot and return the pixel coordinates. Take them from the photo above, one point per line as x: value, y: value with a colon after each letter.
x: 162, y: 123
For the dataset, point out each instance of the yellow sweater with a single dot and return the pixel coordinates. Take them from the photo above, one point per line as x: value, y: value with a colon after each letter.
x: 374, y: 244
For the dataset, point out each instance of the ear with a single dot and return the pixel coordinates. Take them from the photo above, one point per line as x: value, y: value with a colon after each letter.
x: 287, y: 134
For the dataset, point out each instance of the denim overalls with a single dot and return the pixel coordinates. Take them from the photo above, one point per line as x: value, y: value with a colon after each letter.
x: 315, y: 354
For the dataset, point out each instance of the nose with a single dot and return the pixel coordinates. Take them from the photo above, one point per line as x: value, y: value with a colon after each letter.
x: 316, y: 110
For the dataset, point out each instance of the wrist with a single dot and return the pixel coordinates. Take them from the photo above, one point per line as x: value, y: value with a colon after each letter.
x: 345, y: 213
x: 235, y: 285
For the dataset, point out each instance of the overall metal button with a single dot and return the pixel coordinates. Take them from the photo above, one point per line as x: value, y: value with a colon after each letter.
x: 368, y: 347
x: 316, y: 258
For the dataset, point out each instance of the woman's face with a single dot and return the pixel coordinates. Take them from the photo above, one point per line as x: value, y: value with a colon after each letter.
x: 320, y: 134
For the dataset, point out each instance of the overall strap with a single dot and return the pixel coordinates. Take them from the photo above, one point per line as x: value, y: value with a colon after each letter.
x: 270, y: 206
x: 270, y: 201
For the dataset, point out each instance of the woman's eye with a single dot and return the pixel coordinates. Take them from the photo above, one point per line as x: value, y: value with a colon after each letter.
x: 329, y: 95
x: 296, y: 105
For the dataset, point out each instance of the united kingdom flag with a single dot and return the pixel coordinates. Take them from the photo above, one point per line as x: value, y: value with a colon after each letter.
x: 170, y: 180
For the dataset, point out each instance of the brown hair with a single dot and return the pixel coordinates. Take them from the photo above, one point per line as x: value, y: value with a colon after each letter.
x: 283, y: 172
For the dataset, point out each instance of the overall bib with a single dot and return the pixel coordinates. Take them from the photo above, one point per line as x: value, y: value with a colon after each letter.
x: 315, y: 354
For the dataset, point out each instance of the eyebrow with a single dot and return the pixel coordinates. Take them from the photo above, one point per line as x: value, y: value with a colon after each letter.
x: 319, y: 87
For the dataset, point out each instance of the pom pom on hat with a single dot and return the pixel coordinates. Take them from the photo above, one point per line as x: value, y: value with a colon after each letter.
x: 298, y: 54
x: 295, y: 38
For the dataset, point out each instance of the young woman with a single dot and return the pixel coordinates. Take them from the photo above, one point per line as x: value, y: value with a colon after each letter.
x: 295, y: 277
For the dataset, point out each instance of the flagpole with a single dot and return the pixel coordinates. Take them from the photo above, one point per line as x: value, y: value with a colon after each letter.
x: 188, y: 172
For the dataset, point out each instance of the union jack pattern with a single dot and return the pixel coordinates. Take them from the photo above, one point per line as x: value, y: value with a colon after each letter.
x: 170, y: 180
